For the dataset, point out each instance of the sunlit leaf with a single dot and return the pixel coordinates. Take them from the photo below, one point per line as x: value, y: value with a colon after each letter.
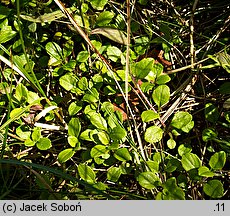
x: 86, y: 173
x: 65, y: 155
x: 190, y: 161
x: 148, y: 179
x: 153, y: 134
x: 44, y: 143
x: 217, y: 161
x: 113, y: 174
x: 122, y: 154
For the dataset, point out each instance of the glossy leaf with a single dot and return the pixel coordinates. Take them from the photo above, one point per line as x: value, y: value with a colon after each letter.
x: 162, y: 79
x: 218, y: 160
x: 36, y: 135
x: 153, y: 134
x: 104, y: 18
x: 98, y: 150
x: 113, y: 53
x: 142, y: 68
x: 68, y: 82
x: 98, y: 4
x: 171, y: 143
x: 86, y: 173
x: 44, y: 144
x: 214, y: 189
x: 122, y: 154
x: 72, y: 140
x: 54, y: 50
x: 74, y: 108
x: 98, y: 121
x: 190, y: 161
x: 113, y: 174
x: 65, y: 155
x: 153, y: 165
x: 74, y: 127
x: 183, y: 121
x: 6, y: 34
x: 148, y: 179
x: 91, y: 96
x: 161, y: 95
x: 83, y: 56
x: 29, y: 143
x: 21, y: 93
x: 149, y: 115
x: 205, y: 172
x: 117, y: 133
x: 184, y: 148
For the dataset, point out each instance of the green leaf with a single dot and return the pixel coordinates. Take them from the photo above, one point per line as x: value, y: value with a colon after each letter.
x: 161, y: 95
x: 68, y: 48
x: 23, y: 132
x: 184, y: 148
x: 83, y: 56
x: 111, y: 33
x: 214, y: 189
x: 72, y: 140
x: 205, y: 172
x: 74, y: 108
x: 153, y: 134
x: 68, y: 81
x: 148, y: 180
x: 91, y: 96
x: 83, y: 83
x: 122, y: 154
x: 113, y: 53
x: 208, y: 134
x: 183, y: 121
x: 98, y: 4
x: 171, y: 143
x: 29, y: 143
x: 21, y: 93
x: 98, y: 150
x: 172, y: 165
x: 6, y: 34
x: 142, y: 68
x: 172, y: 191
x: 98, y: 121
x: 149, y: 115
x: 44, y: 144
x: 54, y: 50
x: 114, y: 174
x: 65, y: 155
x: 153, y: 165
x: 36, y: 135
x: 104, y: 18
x: 218, y: 160
x: 101, y: 137
x: 87, y: 173
x: 190, y: 161
x: 74, y: 127
x: 162, y: 79
x: 117, y: 133
x: 225, y: 88
x: 211, y: 113
x: 4, y: 12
